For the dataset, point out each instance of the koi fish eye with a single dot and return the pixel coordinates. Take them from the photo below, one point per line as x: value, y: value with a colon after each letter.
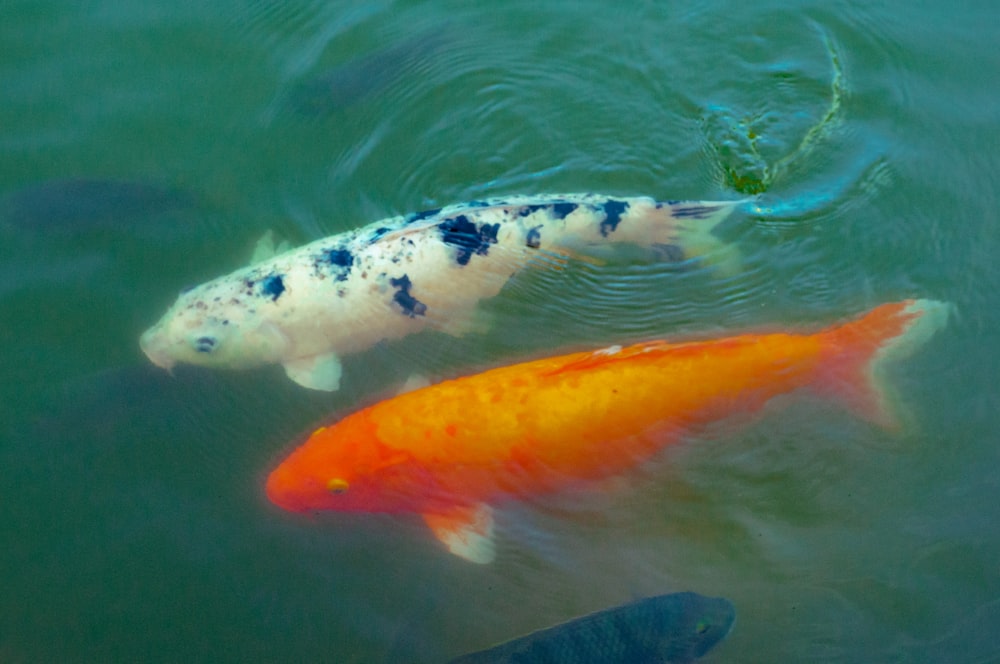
x: 337, y: 486
x: 205, y: 344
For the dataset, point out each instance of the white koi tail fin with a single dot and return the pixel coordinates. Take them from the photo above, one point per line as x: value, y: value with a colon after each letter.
x: 859, y: 353
x: 696, y: 221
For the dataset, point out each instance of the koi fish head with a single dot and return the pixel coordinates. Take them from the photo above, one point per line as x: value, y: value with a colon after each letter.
x: 344, y: 468
x: 211, y: 326
x: 683, y: 627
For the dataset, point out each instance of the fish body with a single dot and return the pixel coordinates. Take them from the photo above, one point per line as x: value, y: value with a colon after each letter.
x: 666, y: 629
x: 80, y: 205
x: 366, y: 75
x: 451, y: 450
x: 307, y: 307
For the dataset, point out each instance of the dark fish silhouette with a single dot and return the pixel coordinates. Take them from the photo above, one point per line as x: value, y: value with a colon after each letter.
x: 76, y: 204
x: 680, y: 627
x: 363, y: 76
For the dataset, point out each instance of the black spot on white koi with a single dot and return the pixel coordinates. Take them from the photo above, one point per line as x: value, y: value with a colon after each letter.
x: 534, y: 238
x: 341, y: 258
x: 204, y: 344
x: 414, y: 217
x: 555, y: 210
x: 613, y: 211
x: 272, y: 286
x: 563, y: 210
x: 410, y: 305
x: 467, y: 237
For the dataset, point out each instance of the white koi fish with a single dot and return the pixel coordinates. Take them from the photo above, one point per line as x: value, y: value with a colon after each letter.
x: 308, y: 307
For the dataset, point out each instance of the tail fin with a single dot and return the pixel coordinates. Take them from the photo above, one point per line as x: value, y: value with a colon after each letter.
x: 859, y: 352
x: 695, y: 222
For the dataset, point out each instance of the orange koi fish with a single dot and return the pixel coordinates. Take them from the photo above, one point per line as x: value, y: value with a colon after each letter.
x: 450, y: 450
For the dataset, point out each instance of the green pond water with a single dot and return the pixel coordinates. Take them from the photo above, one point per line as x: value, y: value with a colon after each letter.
x: 146, y: 146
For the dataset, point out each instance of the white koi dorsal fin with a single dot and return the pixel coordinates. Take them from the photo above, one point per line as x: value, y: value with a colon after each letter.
x: 467, y: 531
x: 319, y: 372
x: 265, y: 249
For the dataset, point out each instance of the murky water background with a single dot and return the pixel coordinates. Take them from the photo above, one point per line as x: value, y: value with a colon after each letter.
x: 147, y: 146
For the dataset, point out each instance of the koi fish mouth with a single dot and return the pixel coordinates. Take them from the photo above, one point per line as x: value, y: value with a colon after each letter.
x: 279, y: 491
x: 151, y: 344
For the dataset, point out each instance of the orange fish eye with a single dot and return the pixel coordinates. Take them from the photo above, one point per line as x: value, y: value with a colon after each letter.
x: 337, y: 485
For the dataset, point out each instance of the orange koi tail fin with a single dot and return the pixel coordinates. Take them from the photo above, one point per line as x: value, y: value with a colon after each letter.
x: 859, y: 352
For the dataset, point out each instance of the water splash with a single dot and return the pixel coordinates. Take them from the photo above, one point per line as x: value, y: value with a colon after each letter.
x: 743, y: 165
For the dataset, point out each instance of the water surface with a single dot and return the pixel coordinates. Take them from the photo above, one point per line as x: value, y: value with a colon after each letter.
x: 135, y: 525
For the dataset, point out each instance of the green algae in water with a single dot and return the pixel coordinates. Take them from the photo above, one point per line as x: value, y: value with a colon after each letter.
x: 744, y: 168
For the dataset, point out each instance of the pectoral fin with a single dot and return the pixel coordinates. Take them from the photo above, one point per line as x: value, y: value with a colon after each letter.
x: 572, y: 247
x: 320, y: 372
x: 467, y: 531
x: 603, y: 254
x: 476, y: 321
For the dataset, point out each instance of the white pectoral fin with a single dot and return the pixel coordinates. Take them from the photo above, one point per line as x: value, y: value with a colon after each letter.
x: 475, y: 321
x: 467, y: 531
x: 319, y: 372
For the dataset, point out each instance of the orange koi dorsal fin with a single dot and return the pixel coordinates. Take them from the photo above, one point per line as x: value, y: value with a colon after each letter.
x: 607, y: 355
x: 467, y: 531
